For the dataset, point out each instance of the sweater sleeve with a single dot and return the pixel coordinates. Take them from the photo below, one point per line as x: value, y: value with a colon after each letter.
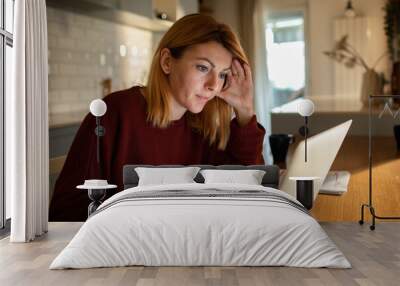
x: 69, y: 203
x: 245, y: 145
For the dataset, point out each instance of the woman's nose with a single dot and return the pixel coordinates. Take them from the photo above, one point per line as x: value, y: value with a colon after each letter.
x: 212, y: 82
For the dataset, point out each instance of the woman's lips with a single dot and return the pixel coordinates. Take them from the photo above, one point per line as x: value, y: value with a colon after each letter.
x: 203, y: 98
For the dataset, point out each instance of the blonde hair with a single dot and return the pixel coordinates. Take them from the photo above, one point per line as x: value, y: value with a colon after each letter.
x: 213, y: 122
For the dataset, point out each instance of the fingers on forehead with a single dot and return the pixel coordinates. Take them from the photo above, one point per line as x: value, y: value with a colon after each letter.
x: 247, y: 70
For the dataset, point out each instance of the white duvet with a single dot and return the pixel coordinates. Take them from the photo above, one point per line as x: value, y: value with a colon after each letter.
x: 200, y: 231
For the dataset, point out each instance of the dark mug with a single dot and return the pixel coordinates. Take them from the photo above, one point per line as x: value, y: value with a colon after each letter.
x: 279, y: 144
x: 396, y: 130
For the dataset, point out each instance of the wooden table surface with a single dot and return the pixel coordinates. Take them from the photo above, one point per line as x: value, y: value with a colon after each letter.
x: 353, y: 157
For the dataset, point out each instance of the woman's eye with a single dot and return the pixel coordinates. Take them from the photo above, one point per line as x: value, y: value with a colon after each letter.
x: 202, y: 68
x: 223, y: 76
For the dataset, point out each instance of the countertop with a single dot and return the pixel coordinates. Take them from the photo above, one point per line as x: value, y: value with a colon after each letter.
x: 66, y: 119
x: 330, y: 105
x: 330, y: 111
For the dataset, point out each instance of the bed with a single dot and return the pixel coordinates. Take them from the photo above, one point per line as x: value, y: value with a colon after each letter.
x: 201, y: 224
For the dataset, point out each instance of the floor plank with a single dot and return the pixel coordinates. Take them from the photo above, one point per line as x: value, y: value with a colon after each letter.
x: 374, y: 255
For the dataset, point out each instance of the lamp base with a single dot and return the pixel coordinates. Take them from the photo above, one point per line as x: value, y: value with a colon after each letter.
x: 97, y: 196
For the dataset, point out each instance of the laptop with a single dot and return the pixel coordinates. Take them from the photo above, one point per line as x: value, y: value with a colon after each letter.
x: 322, y: 149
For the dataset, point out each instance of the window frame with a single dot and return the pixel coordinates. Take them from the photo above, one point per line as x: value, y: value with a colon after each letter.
x: 284, y: 9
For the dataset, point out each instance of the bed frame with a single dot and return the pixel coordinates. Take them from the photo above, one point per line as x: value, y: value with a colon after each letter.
x: 270, y: 179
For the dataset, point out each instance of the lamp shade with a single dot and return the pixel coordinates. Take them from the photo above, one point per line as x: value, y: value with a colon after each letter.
x: 305, y: 107
x: 98, y: 107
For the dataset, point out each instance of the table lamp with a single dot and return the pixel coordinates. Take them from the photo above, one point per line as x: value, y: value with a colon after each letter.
x: 305, y: 184
x: 98, y: 108
x: 305, y: 108
x: 97, y: 187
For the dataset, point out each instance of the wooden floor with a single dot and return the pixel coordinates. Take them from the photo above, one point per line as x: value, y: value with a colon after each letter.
x: 374, y: 255
x: 353, y: 157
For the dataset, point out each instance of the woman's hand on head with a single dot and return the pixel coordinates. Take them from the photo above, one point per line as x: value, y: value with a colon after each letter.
x: 239, y: 92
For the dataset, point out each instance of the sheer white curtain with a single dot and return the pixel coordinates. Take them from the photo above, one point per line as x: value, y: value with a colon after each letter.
x: 252, y: 34
x: 27, y: 145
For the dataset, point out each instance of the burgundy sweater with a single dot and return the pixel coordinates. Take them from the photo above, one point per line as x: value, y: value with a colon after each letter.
x: 131, y: 139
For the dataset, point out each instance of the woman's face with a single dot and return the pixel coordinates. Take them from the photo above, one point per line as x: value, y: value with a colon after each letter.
x: 198, y: 75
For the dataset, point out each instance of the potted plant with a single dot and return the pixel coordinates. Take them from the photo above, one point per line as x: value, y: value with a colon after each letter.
x: 345, y: 53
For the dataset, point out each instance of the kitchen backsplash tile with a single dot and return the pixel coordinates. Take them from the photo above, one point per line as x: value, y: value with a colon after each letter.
x: 84, y: 51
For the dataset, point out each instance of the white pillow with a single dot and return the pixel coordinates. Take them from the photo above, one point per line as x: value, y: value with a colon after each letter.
x: 249, y: 177
x: 163, y: 176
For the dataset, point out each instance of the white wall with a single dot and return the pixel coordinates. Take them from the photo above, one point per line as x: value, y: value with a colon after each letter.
x: 83, y: 51
x: 185, y: 7
x: 225, y: 11
x: 321, y: 16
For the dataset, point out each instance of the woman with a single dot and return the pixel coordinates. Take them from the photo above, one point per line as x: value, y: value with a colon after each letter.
x: 198, y: 79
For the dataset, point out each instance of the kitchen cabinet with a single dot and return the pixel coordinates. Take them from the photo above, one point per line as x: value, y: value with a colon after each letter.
x: 176, y: 9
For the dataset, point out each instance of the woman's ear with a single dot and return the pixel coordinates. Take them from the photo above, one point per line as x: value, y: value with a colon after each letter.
x: 165, y: 60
